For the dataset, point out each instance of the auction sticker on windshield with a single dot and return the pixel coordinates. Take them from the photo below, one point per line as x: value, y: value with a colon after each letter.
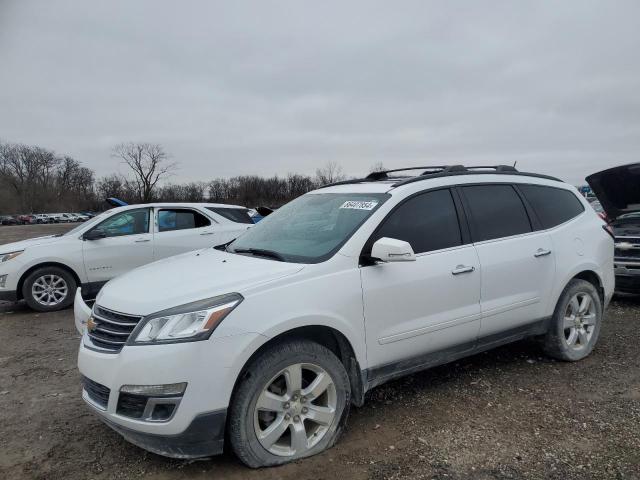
x: 360, y: 205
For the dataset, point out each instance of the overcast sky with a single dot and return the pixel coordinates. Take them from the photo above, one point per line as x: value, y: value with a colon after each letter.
x: 263, y: 87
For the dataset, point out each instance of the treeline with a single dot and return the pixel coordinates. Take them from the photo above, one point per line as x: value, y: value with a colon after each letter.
x: 248, y: 190
x: 37, y: 180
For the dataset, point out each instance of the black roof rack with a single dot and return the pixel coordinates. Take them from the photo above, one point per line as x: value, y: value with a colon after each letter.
x: 439, y: 171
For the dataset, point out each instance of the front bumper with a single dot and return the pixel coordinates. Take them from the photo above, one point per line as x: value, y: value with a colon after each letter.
x: 210, y: 369
x: 8, y: 295
x: 204, y: 437
x: 627, y: 277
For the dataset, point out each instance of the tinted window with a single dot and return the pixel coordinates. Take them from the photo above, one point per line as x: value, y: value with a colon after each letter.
x: 496, y: 211
x: 238, y: 215
x: 553, y: 206
x: 176, y: 219
x: 131, y: 222
x: 428, y: 222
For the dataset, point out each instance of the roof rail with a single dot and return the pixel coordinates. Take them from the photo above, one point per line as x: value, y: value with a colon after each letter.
x: 384, y: 174
x: 439, y: 171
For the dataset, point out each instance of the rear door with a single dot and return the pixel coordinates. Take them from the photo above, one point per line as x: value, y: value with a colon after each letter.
x: 518, y: 264
x: 181, y: 230
x: 128, y: 244
x: 413, y: 309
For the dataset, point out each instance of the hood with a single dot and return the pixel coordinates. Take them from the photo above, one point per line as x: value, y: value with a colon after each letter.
x: 187, y: 278
x: 618, y: 189
x: 21, y: 245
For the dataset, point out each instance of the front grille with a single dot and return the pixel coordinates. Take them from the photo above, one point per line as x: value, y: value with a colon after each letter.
x: 97, y: 392
x: 112, y: 328
x: 627, y: 248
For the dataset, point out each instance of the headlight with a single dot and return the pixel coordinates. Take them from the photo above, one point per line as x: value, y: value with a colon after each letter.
x: 186, y: 323
x: 8, y: 256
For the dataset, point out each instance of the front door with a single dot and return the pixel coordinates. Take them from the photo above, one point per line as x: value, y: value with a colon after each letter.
x: 128, y: 243
x: 415, y: 311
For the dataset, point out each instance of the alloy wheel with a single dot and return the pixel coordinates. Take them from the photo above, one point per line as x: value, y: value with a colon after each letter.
x: 580, y: 321
x: 49, y: 290
x: 295, y: 410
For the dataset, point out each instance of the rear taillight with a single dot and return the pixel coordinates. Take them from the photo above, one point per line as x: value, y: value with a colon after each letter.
x: 609, y: 229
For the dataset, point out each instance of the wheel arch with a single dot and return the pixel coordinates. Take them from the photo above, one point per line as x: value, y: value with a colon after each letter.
x: 593, y: 278
x: 33, y: 268
x: 326, y: 336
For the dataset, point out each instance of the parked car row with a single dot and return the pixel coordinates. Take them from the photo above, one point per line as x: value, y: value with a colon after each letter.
x: 38, y: 218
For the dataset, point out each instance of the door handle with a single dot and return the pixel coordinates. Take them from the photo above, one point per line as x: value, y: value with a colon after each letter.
x: 542, y: 253
x: 206, y: 233
x: 462, y: 269
x: 143, y: 240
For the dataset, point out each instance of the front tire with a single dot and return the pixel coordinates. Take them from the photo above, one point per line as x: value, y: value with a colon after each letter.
x: 576, y: 321
x: 48, y: 289
x: 291, y: 403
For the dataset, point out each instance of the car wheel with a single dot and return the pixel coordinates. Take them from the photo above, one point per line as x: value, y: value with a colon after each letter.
x: 49, y: 288
x: 292, y: 402
x: 576, y: 321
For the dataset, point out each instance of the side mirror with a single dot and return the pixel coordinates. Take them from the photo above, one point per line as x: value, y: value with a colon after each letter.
x: 94, y: 234
x: 392, y: 250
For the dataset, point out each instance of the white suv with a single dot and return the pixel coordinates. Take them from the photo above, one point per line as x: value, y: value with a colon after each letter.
x: 268, y: 341
x: 46, y: 271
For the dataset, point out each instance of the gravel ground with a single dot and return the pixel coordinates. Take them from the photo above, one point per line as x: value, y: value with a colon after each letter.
x: 505, y: 414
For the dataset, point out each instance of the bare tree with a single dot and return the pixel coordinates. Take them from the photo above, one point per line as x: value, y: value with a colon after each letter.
x: 330, y: 173
x: 149, y: 164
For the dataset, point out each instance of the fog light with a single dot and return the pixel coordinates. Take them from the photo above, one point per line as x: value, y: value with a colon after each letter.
x: 170, y: 389
x: 3, y: 280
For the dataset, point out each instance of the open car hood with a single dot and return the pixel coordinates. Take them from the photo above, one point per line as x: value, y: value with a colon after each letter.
x: 618, y: 189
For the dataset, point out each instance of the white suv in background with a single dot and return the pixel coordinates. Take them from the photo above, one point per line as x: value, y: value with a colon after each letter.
x: 46, y: 271
x: 268, y: 340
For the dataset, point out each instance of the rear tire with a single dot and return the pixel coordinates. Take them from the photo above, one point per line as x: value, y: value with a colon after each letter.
x: 48, y: 289
x: 292, y: 403
x: 576, y: 321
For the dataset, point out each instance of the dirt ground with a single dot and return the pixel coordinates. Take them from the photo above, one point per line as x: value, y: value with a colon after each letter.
x: 506, y: 414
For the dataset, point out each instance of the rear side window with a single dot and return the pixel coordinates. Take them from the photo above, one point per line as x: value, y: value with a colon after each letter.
x: 428, y: 221
x: 238, y: 215
x: 553, y: 206
x: 178, y: 219
x: 496, y: 211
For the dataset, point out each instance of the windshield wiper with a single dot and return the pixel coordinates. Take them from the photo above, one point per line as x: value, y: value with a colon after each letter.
x: 261, y: 253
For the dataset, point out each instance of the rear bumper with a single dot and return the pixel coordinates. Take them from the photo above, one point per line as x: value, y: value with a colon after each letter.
x: 204, y: 437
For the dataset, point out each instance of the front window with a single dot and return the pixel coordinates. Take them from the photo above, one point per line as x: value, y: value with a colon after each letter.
x: 129, y: 222
x: 311, y: 228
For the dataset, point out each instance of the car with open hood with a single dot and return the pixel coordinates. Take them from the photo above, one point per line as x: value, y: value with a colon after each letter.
x: 265, y: 342
x: 618, y: 190
x: 46, y: 271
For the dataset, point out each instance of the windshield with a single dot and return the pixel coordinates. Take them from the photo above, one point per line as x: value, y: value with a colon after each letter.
x: 93, y: 221
x: 311, y: 228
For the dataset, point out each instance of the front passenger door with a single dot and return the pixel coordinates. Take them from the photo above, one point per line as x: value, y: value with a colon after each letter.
x: 128, y: 243
x: 413, y: 309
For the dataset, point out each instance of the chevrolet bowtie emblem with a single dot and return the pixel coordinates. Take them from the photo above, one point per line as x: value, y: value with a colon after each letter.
x: 626, y: 246
x: 91, y: 324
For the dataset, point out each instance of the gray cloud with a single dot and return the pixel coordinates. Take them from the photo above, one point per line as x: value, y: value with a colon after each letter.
x: 271, y: 87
